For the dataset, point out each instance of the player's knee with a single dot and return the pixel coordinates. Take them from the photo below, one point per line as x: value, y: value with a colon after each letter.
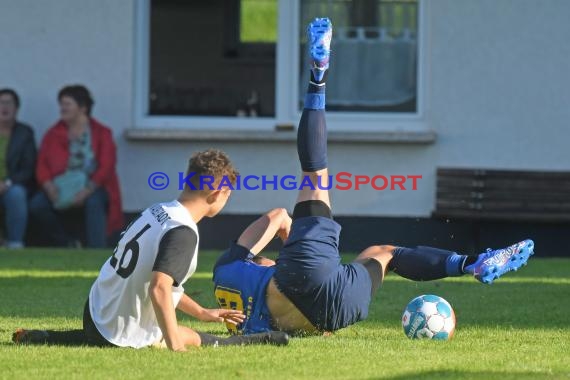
x: 385, y: 254
x: 386, y: 249
x: 282, y: 211
x: 277, y: 212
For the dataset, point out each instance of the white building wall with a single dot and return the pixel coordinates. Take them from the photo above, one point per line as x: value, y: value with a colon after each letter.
x: 45, y: 45
x: 500, y: 84
x: 498, y: 92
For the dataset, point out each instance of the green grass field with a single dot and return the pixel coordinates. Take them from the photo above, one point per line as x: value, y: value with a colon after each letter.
x: 515, y: 329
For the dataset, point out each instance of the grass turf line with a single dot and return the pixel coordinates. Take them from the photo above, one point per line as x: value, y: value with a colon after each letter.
x: 516, y: 328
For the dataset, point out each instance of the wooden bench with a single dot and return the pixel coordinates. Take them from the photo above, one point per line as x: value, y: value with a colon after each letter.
x: 481, y: 194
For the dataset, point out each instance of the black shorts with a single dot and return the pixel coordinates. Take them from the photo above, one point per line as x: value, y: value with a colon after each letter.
x: 309, y: 272
x: 92, y: 335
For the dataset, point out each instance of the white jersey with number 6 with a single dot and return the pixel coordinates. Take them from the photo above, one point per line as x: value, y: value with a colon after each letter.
x: 119, y: 301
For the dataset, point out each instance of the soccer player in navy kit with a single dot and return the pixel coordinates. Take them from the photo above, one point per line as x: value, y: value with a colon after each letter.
x: 307, y: 289
x: 134, y: 299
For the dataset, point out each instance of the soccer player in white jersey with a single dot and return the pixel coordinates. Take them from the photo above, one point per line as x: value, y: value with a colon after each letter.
x: 134, y: 299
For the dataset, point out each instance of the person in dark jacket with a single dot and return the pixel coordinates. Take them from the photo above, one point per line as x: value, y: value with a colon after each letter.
x: 17, y: 167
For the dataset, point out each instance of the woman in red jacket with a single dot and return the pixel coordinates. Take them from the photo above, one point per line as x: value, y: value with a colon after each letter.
x: 76, y: 168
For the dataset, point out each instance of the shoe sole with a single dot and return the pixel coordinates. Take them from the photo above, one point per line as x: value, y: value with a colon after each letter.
x: 319, y: 31
x: 17, y: 336
x: 514, y: 262
x: 23, y: 336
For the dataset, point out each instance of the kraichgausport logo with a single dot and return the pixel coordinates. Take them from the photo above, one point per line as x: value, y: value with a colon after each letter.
x: 339, y: 181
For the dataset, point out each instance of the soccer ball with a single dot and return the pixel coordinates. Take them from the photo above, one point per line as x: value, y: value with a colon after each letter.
x: 430, y: 317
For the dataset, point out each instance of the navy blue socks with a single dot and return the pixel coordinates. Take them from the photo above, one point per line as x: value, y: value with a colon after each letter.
x: 312, y: 132
x: 426, y: 263
x: 312, y: 140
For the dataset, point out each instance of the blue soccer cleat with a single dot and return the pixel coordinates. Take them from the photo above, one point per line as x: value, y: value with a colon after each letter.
x: 319, y: 35
x: 494, y: 263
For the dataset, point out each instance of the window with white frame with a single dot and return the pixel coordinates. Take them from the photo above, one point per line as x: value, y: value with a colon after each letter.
x: 212, y: 58
x: 374, y: 48
x: 218, y: 60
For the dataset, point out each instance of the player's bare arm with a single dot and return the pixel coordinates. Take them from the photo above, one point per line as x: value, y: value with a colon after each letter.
x: 160, y: 291
x: 276, y: 222
x: 192, y: 308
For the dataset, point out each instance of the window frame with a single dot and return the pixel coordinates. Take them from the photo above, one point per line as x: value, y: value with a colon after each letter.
x: 286, y: 91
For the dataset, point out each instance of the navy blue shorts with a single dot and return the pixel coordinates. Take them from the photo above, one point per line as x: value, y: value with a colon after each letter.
x: 309, y: 272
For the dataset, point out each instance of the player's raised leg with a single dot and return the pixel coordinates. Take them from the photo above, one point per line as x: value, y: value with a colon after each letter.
x: 312, y: 132
x: 427, y: 263
x: 309, y: 257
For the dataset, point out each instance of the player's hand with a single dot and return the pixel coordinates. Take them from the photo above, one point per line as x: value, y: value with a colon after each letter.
x: 283, y: 234
x: 285, y: 228
x: 234, y: 317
